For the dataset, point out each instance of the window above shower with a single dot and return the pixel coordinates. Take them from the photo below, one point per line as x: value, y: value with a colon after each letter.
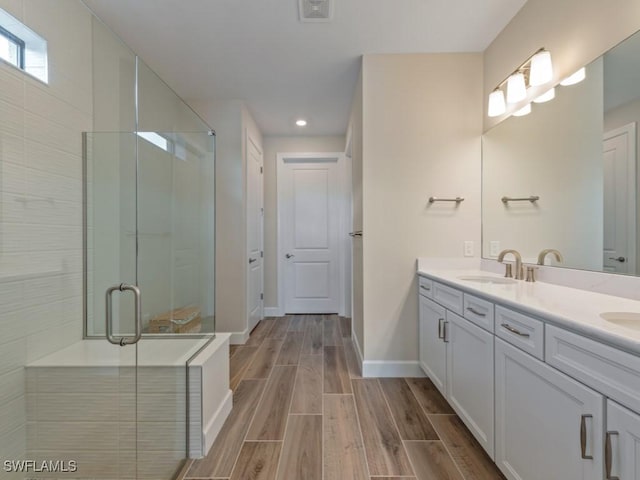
x: 22, y: 48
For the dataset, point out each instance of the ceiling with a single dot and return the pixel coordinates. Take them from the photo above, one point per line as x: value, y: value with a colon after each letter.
x: 258, y: 50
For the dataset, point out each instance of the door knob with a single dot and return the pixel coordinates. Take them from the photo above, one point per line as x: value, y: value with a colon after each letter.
x: 618, y: 259
x: 251, y: 260
x: 289, y: 255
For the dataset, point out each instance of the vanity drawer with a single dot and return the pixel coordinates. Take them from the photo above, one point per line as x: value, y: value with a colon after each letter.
x: 425, y: 287
x: 520, y: 330
x: 606, y: 369
x: 478, y: 311
x: 448, y: 297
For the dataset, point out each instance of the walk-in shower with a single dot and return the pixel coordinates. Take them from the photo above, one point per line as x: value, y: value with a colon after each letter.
x: 146, y: 384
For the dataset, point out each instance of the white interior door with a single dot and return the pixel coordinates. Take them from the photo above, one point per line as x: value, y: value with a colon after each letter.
x: 255, y: 213
x: 309, y: 211
x: 619, y: 253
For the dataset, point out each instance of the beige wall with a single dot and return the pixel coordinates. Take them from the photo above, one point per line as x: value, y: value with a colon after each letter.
x: 231, y: 121
x: 555, y: 152
x: 355, y: 129
x: 575, y: 31
x: 273, y: 146
x: 422, y: 124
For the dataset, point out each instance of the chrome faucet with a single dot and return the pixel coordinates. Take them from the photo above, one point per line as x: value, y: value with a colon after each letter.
x: 516, y: 255
x: 546, y: 252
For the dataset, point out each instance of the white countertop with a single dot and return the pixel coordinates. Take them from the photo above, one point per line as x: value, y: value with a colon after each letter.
x: 571, y: 308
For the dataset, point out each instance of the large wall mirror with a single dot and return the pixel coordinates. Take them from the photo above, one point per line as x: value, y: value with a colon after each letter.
x: 577, y: 154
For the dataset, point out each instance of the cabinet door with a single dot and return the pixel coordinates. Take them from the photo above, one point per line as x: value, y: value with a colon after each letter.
x: 432, y: 347
x: 622, y: 449
x: 470, y: 377
x: 547, y: 424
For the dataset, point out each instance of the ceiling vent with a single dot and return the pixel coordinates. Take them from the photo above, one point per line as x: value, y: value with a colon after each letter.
x: 315, y: 10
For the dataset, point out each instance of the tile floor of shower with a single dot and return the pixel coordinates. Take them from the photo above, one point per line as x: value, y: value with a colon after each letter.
x: 302, y: 411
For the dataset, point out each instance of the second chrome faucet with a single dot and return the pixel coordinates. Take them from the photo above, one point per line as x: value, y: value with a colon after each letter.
x: 519, y: 273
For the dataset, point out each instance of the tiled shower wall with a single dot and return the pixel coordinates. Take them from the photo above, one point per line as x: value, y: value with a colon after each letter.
x: 41, y: 202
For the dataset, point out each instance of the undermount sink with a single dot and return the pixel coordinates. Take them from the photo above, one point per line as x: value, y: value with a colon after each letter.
x: 624, y: 319
x: 486, y: 279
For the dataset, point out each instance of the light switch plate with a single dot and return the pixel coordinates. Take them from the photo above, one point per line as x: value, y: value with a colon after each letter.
x: 468, y: 248
x: 494, y: 248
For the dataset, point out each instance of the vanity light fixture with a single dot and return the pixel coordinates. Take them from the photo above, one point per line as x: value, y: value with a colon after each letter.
x: 574, y: 78
x: 301, y: 122
x: 536, y: 71
x: 516, y: 88
x: 497, y: 105
x: 545, y: 97
x: 541, y: 68
x: 526, y: 110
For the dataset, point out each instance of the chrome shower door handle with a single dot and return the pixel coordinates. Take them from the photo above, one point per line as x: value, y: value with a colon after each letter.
x: 122, y: 341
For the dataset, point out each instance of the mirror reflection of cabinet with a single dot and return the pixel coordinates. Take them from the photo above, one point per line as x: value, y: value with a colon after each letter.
x: 578, y: 154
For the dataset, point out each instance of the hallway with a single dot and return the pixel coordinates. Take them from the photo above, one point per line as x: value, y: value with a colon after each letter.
x: 302, y: 411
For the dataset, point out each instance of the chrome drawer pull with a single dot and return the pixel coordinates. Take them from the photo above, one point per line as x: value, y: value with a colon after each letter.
x: 475, y: 312
x: 608, y: 457
x: 440, y: 334
x: 515, y: 330
x: 428, y: 289
x: 583, y: 437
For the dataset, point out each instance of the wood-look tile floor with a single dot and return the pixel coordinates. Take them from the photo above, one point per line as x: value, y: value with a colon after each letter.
x: 302, y: 411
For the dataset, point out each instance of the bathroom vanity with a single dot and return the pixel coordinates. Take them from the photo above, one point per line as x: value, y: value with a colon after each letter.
x: 546, y: 377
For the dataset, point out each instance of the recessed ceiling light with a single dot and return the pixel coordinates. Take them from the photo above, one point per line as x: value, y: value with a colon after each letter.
x: 301, y: 123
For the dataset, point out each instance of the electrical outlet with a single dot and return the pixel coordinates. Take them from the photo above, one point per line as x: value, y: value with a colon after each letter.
x: 494, y: 248
x: 468, y: 248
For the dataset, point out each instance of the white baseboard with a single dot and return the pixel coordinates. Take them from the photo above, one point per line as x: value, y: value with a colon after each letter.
x: 377, y: 368
x: 239, y: 338
x: 214, y: 426
x: 385, y: 369
x: 273, y: 312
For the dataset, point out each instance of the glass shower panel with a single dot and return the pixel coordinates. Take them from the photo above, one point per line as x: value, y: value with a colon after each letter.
x: 175, y: 275
x: 176, y: 231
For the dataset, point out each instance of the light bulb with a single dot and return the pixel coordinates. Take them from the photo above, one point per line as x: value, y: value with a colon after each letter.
x: 541, y: 69
x: 545, y: 97
x: 301, y: 123
x: 496, y: 103
x: 516, y: 89
x: 526, y: 110
x: 577, y: 77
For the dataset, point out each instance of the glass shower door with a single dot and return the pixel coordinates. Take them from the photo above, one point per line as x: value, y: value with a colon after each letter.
x: 107, y: 439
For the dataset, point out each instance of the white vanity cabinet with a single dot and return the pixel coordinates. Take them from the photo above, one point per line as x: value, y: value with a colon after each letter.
x: 433, y: 350
x: 622, y: 443
x: 458, y: 358
x: 469, y: 385
x: 544, y: 401
x: 548, y: 426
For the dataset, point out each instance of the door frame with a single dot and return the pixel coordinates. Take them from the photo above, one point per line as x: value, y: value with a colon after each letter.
x: 632, y: 183
x: 249, y: 140
x: 344, y: 221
